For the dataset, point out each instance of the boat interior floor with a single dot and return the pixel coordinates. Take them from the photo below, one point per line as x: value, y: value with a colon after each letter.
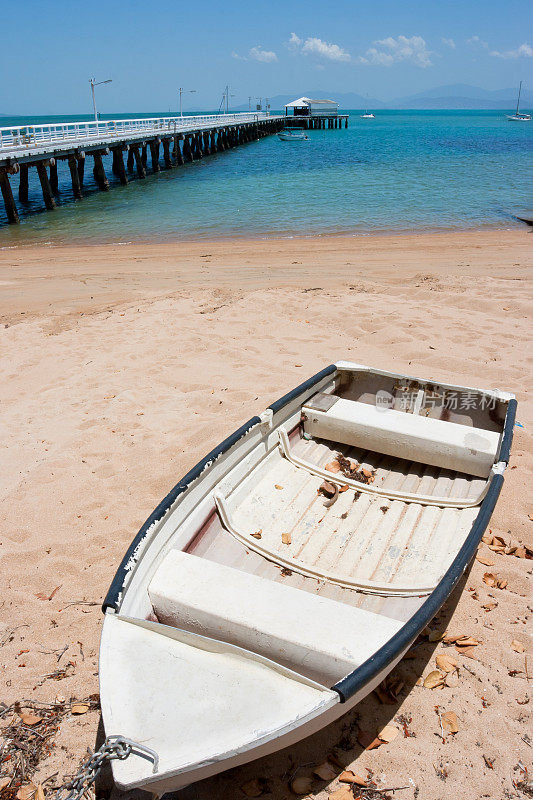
x: 365, y: 550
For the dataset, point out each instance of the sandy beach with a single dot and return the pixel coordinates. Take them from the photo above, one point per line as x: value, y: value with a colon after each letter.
x: 122, y: 366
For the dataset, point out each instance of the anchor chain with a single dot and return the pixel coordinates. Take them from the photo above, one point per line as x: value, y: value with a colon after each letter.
x: 114, y: 747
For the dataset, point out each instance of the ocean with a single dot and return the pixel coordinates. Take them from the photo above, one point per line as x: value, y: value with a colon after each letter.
x: 402, y: 171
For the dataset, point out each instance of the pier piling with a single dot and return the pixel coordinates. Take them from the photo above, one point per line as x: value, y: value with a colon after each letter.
x: 130, y: 162
x: 144, y: 155
x: 176, y: 151
x: 81, y: 167
x: 54, y: 181
x: 166, y: 153
x: 23, y: 183
x: 99, y: 173
x: 7, y: 194
x: 75, y: 177
x: 49, y: 201
x: 118, y: 165
x: 154, y: 152
x: 141, y: 172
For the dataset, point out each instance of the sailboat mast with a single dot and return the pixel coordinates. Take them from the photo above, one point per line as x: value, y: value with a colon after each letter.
x: 518, y: 101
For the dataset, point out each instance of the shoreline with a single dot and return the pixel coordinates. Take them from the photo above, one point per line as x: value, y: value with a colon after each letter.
x: 122, y: 366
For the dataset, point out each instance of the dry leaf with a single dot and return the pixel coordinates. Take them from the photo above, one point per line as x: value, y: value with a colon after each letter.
x: 277, y: 486
x: 489, y: 578
x: 487, y: 538
x: 469, y: 652
x: 344, y: 488
x: 436, y: 635
x: 452, y: 679
x: 450, y: 721
x: 252, y: 788
x: 488, y: 562
x: 341, y: 794
x: 501, y: 584
x: 79, y: 708
x: 257, y: 534
x: 434, y: 679
x: 30, y: 719
x: 333, y: 466
x: 286, y: 538
x: 388, y: 733
x: 446, y: 663
x: 367, y: 740
x: 351, y: 777
x: 466, y: 641
x: 39, y: 794
x: 368, y: 473
x: 325, y: 771
x: 4, y: 782
x: 301, y: 785
x: 327, y: 488
x: 26, y: 792
x: 488, y: 606
x: 517, y: 646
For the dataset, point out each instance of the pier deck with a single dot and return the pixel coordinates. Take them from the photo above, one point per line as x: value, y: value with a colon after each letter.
x: 183, y: 139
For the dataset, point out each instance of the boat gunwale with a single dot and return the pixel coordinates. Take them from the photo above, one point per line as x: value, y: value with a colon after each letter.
x: 400, y: 642
x: 117, y: 586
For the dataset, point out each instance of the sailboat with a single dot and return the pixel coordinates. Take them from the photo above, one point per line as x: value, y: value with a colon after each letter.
x: 518, y: 117
x: 367, y: 114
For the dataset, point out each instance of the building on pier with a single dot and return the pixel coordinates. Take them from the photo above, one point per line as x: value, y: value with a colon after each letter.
x: 305, y: 107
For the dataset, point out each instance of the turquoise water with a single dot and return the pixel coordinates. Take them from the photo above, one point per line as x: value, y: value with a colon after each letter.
x: 404, y: 170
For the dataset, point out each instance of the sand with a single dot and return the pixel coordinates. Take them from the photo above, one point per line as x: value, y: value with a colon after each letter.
x: 121, y: 366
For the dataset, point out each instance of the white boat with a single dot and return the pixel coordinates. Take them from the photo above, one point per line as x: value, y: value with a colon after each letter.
x: 517, y: 116
x: 292, y: 135
x: 366, y: 115
x: 290, y: 570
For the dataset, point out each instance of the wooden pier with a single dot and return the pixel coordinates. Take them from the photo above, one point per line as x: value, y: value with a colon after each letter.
x: 181, y: 140
x: 317, y: 121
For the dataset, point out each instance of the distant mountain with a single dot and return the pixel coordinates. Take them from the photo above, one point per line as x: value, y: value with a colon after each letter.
x: 461, y: 95
x: 452, y: 96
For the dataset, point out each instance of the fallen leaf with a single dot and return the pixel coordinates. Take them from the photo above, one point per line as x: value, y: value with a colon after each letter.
x: 252, y: 788
x: 487, y: 538
x: 301, y: 785
x: 388, y: 733
x: 368, y: 473
x: 286, y: 538
x: 333, y: 466
x: 325, y: 771
x: 277, y: 486
x: 4, y: 782
x: 351, y: 777
x: 501, y: 584
x: 257, y: 534
x: 452, y: 679
x: 450, y: 721
x: 39, y: 794
x: 466, y: 641
x: 489, y: 606
x: 44, y: 596
x: 434, y: 679
x: 344, y: 488
x: 469, y: 652
x: 342, y: 794
x: 489, y: 578
x: 30, y: 719
x: 517, y: 646
x: 446, y: 663
x: 488, y: 562
x: 26, y: 792
x: 79, y: 708
x: 436, y: 635
x: 367, y: 740
x: 327, y: 488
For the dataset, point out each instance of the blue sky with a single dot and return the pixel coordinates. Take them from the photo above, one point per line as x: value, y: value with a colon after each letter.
x: 386, y: 48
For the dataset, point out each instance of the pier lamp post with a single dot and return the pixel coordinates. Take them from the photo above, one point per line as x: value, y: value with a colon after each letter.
x: 93, y: 84
x: 184, y: 91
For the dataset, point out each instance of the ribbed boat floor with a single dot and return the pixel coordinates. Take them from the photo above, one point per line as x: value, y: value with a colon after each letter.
x: 362, y: 536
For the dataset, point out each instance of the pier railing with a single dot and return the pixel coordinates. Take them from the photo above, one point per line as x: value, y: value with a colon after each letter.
x: 22, y: 137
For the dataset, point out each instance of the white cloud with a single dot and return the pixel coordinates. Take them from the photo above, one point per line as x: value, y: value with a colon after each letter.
x: 476, y: 41
x: 313, y: 46
x: 258, y: 54
x: 404, y: 48
x: 448, y: 42
x: 267, y: 56
x: 523, y: 51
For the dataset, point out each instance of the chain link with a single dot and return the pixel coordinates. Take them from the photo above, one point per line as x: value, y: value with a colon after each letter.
x: 113, y: 747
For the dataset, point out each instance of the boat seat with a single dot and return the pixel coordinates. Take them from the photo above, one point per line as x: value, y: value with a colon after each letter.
x: 319, y: 638
x: 395, y: 433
